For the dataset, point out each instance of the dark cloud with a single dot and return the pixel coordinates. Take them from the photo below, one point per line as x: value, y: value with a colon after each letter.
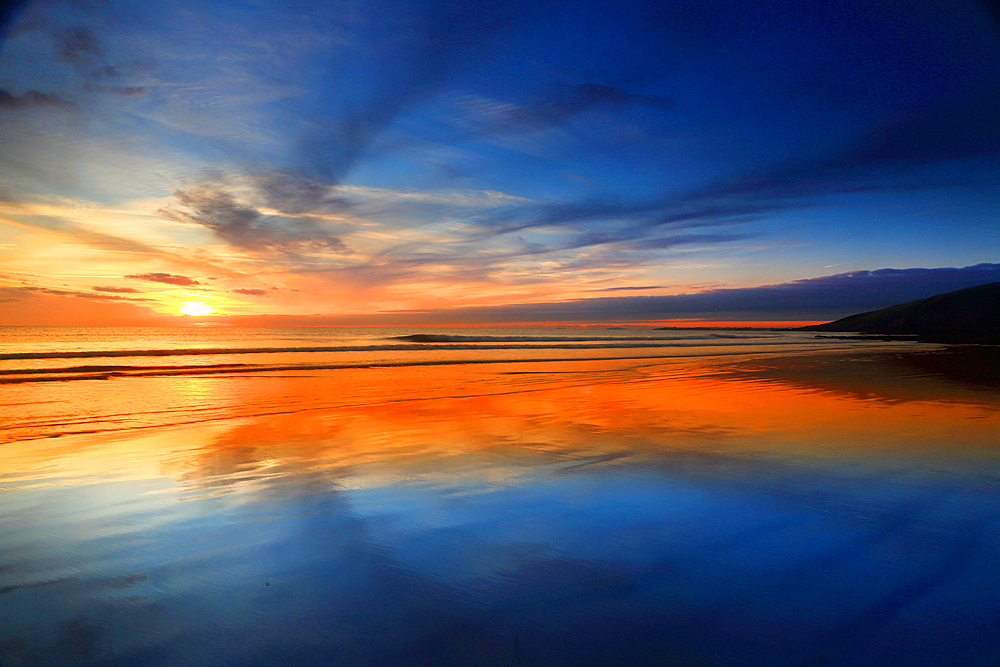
x: 851, y: 292
x: 966, y: 129
x: 634, y: 219
x: 76, y: 45
x: 732, y: 201
x: 293, y: 194
x: 125, y: 91
x: 33, y: 99
x: 562, y: 101
x: 116, y: 290
x: 243, y: 226
x: 634, y: 238
x: 883, y: 159
x: 109, y: 71
x: 168, y: 278
x: 251, y: 292
x: 641, y: 224
x: 666, y: 242
x: 823, y: 298
x: 887, y: 158
x: 80, y: 46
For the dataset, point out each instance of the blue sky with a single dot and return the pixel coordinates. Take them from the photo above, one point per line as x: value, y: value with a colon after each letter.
x: 457, y: 161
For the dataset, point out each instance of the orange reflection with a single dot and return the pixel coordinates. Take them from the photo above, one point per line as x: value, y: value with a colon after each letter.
x: 499, y: 421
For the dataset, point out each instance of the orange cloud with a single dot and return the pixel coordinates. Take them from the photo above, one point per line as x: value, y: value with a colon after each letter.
x: 168, y: 278
x: 50, y: 308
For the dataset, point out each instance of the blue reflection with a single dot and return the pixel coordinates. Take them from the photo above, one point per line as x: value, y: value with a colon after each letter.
x: 543, y: 553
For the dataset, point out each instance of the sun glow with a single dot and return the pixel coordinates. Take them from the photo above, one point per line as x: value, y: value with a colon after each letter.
x: 196, y: 309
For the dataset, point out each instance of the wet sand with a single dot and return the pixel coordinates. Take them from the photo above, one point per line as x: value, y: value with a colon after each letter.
x: 812, y: 508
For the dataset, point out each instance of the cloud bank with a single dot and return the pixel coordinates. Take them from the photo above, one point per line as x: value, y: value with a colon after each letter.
x: 825, y: 298
x: 166, y: 278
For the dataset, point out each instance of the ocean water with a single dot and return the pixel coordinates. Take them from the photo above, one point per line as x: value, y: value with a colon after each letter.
x: 65, y: 353
x: 496, y: 497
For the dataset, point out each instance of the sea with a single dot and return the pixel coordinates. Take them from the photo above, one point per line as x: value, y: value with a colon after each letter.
x: 544, y: 496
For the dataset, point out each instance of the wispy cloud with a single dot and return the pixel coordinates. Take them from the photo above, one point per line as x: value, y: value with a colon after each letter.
x: 429, y: 44
x: 562, y: 101
x: 552, y: 106
x: 76, y: 45
x: 117, y: 290
x: 635, y: 288
x: 306, y: 144
x: 884, y: 160
x: 825, y: 297
x: 167, y: 278
x: 33, y: 99
x: 126, y: 91
x: 244, y: 227
x: 35, y: 305
x: 74, y: 293
x: 28, y: 219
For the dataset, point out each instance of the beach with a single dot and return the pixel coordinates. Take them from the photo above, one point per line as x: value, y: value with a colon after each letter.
x: 497, y: 497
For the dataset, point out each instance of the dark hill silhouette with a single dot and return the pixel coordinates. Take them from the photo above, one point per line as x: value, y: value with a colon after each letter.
x: 970, y: 315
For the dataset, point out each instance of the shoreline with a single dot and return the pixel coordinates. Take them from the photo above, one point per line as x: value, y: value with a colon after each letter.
x: 79, y: 407
x: 108, y: 372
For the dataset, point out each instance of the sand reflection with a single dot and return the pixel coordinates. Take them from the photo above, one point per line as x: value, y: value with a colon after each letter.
x: 495, y: 421
x: 515, y: 420
x: 802, y: 510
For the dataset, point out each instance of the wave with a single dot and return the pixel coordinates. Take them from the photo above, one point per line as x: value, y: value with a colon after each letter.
x: 416, y: 342
x: 107, y: 372
x: 170, y: 352
x: 62, y: 375
x: 450, y: 338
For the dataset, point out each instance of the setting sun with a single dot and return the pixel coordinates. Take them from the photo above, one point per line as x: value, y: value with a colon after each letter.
x: 196, y: 309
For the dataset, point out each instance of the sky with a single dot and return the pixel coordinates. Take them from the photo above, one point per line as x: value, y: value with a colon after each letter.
x: 440, y: 163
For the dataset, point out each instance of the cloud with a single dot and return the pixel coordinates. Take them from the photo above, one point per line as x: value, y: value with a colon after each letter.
x: 410, y: 198
x: 553, y: 106
x: 294, y: 194
x: 28, y: 218
x: 822, y: 298
x: 76, y: 45
x: 243, y: 226
x: 882, y: 159
x: 421, y: 49
x: 42, y: 306
x: 886, y: 158
x: 125, y: 91
x: 166, y: 278
x: 965, y: 129
x: 666, y: 242
x: 33, y: 99
x: 562, y: 101
x: 627, y: 289
x: 8, y: 10
x: 639, y: 225
x: 82, y: 295
x: 117, y: 290
x: 631, y: 219
x: 251, y: 292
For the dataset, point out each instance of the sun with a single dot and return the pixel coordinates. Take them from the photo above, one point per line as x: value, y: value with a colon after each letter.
x: 196, y: 309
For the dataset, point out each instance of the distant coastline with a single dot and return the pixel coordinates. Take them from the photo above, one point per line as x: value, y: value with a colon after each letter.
x: 970, y: 315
